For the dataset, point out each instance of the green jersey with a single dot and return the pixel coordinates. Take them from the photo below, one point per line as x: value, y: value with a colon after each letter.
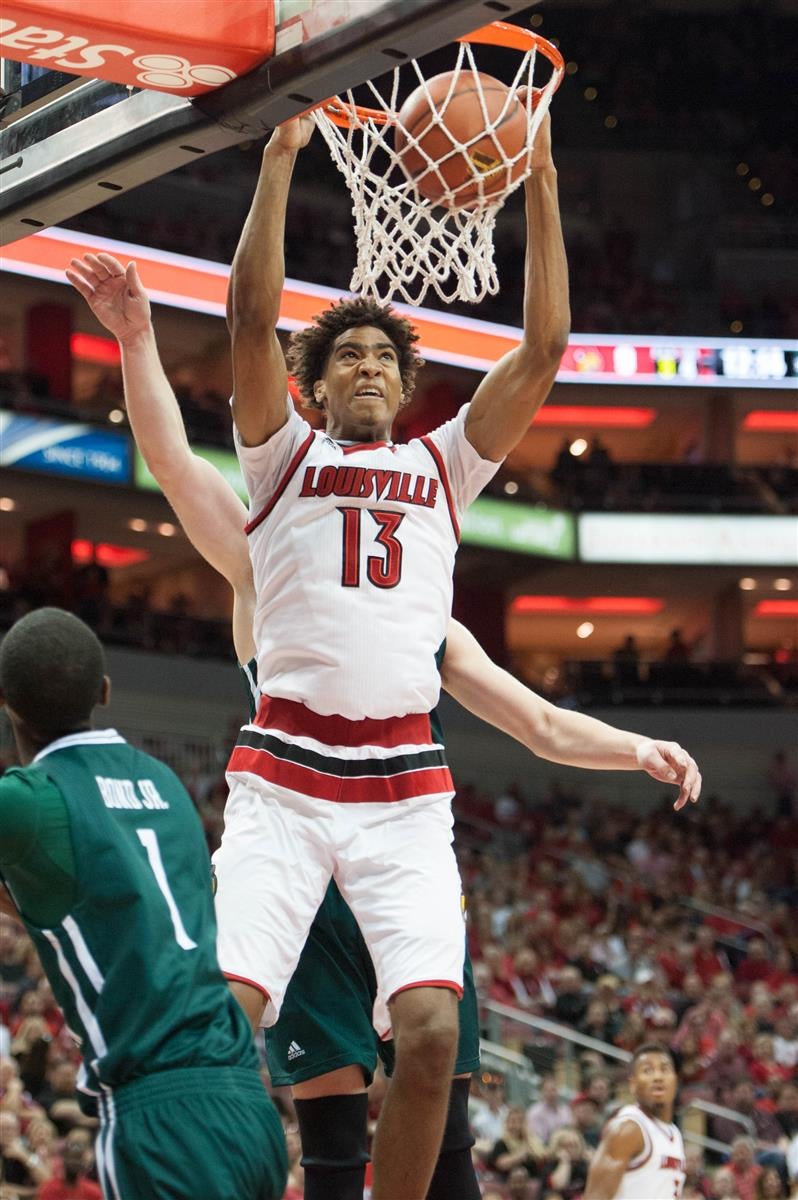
x: 129, y: 943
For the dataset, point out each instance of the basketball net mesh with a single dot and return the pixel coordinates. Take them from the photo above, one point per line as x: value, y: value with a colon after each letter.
x: 406, y: 243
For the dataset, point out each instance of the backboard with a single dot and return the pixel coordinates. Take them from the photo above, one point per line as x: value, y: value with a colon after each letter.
x: 69, y: 143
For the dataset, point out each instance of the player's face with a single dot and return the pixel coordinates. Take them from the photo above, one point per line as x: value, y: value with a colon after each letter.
x: 654, y: 1083
x: 361, y: 389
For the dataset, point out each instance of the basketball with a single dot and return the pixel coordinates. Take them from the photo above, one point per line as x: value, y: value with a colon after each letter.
x: 471, y: 153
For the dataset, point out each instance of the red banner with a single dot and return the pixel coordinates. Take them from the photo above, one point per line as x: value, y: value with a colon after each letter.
x: 185, y: 47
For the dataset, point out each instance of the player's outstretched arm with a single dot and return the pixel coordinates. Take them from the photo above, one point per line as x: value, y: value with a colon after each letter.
x: 260, y: 391
x: 557, y: 734
x: 618, y: 1148
x: 211, y: 514
x: 511, y: 393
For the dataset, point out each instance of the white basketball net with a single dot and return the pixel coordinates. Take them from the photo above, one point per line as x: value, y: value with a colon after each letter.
x: 406, y: 243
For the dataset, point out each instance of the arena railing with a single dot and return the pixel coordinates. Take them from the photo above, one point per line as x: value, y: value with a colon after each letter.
x: 495, y: 1018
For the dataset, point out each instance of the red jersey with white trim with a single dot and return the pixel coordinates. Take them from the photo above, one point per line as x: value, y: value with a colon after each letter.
x: 658, y: 1172
x: 352, y: 549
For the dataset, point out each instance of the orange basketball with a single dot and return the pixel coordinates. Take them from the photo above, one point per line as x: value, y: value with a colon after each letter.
x: 462, y: 120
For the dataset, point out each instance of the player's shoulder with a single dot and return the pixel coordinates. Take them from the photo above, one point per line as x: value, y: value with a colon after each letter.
x: 28, y: 799
x: 24, y: 783
x: 626, y: 1130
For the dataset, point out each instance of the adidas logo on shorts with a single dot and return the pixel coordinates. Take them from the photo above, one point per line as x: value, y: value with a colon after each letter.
x: 294, y: 1051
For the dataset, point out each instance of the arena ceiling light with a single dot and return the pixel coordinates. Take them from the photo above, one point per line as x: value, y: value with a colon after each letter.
x: 599, y: 416
x: 106, y: 554
x: 90, y: 347
x: 609, y: 606
x: 776, y: 608
x: 771, y: 420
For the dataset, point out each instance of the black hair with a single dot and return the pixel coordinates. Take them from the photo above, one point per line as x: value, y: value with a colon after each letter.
x: 309, y: 349
x: 51, y: 671
x: 652, y: 1048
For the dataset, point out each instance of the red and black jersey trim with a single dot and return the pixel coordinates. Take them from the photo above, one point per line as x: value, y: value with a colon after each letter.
x: 291, y: 470
x: 345, y: 780
x: 437, y: 458
x: 356, y: 447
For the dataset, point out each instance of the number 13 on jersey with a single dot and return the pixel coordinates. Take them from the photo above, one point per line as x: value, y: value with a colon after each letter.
x: 383, y: 571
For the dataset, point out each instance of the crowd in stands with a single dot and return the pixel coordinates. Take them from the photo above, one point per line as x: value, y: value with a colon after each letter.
x: 628, y: 931
x: 681, y: 929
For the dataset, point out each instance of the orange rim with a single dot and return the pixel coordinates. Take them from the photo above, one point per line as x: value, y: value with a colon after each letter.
x: 499, y: 33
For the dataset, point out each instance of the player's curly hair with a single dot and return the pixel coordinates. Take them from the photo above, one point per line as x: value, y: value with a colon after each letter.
x: 309, y: 349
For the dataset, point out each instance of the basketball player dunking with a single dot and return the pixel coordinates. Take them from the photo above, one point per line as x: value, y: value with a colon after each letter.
x: 327, y: 1011
x: 352, y: 539
x: 641, y: 1154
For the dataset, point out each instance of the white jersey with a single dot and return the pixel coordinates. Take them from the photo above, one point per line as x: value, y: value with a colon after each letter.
x: 352, y: 549
x: 658, y: 1172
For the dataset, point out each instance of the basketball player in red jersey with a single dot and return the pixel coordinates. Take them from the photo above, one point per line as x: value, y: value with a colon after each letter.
x: 352, y: 540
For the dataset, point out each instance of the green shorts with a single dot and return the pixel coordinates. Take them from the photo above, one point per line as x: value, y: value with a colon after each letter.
x: 209, y: 1132
x: 326, y: 1017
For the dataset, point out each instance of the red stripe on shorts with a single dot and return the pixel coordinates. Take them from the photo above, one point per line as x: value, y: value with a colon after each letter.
x: 294, y: 719
x: 249, y: 982
x: 434, y: 983
x: 378, y: 789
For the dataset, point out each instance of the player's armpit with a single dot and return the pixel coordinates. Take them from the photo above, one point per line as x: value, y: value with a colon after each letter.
x: 618, y: 1148
x: 7, y: 906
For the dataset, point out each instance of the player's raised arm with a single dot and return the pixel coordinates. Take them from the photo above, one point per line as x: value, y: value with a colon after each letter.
x: 557, y: 734
x: 260, y: 390
x: 511, y: 393
x: 611, y: 1160
x: 211, y: 514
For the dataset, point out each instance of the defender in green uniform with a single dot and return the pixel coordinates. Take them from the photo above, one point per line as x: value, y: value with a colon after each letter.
x: 104, y: 858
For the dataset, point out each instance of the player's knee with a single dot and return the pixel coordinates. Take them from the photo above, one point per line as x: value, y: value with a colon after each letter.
x: 426, y: 1037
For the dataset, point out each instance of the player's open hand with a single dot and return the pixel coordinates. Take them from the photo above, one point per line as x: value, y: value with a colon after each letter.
x: 113, y: 293
x: 668, y: 762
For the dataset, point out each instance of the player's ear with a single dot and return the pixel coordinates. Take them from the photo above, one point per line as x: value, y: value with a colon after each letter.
x: 319, y: 391
x: 105, y: 691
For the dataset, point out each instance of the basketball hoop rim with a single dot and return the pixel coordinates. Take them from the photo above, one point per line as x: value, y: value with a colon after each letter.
x: 498, y: 33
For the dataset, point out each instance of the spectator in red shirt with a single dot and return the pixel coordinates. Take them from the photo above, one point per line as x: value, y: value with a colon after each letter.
x: 743, y: 1167
x: 728, y: 1067
x: 706, y: 960
x: 71, y: 1182
x: 755, y: 966
x: 763, y: 1067
x: 765, y: 1125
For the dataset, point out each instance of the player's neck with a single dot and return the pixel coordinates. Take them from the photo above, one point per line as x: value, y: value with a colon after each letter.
x: 657, y: 1112
x: 29, y: 743
x: 341, y: 431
